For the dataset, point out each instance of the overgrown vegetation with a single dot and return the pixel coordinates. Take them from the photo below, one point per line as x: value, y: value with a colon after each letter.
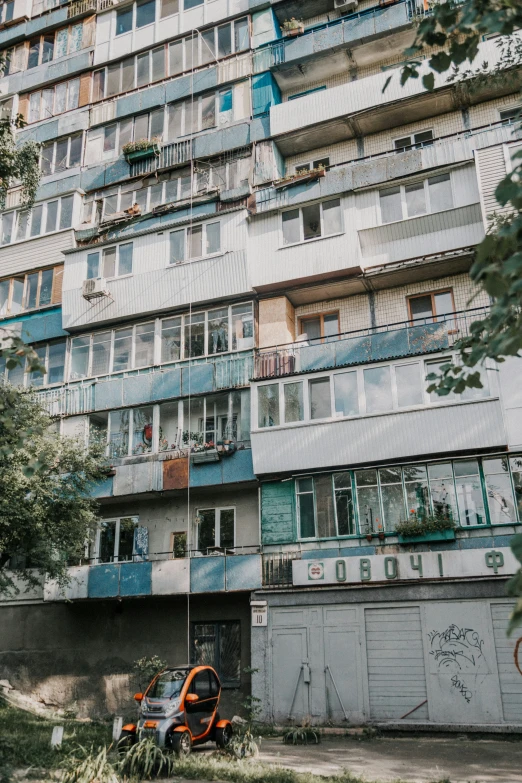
x: 47, y: 511
x: 145, y: 669
x: 18, y: 165
x: 419, y: 526
x: 302, y: 735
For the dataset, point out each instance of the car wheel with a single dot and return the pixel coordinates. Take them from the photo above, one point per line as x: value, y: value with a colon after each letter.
x: 223, y: 736
x: 126, y: 740
x: 181, y: 742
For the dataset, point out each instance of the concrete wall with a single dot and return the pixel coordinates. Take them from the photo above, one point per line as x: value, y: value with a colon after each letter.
x: 81, y: 655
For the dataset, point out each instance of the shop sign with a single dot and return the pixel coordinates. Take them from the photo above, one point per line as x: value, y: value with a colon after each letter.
x: 405, y: 567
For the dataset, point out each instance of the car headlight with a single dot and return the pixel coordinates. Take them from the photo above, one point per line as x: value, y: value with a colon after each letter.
x: 172, y: 707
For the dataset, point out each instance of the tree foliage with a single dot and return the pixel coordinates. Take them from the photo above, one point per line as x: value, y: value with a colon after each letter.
x: 47, y: 511
x: 18, y: 164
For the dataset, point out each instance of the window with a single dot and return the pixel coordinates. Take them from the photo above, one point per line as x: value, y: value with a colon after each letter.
x: 499, y: 491
x: 215, y: 529
x: 124, y: 19
x: 294, y: 404
x: 115, y: 262
x: 215, y: 420
x: 508, y: 116
x: 268, y: 405
x: 419, y: 198
x: 320, y: 163
x: 181, y: 337
x: 320, y: 402
x: 218, y: 645
x: 31, y: 291
x: 57, y: 156
x: 470, y: 499
x: 346, y: 394
x: 435, y: 366
x: 51, y: 356
x: 377, y: 389
x: 325, y: 506
x: 431, y: 307
x: 54, y: 100
x: 17, y: 226
x: 311, y: 222
x: 414, y: 141
x: 115, y: 540
x: 194, y: 242
x: 178, y: 545
x: 320, y: 328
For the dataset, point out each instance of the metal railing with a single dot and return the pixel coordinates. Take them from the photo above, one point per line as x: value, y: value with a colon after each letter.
x: 188, y: 554
x: 175, y: 154
x: 277, y: 568
x: 363, y: 346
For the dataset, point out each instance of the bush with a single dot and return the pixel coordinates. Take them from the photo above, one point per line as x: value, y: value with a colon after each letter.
x: 415, y: 526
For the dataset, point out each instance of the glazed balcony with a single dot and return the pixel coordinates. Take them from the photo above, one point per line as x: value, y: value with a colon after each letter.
x: 389, y: 341
x: 328, y: 49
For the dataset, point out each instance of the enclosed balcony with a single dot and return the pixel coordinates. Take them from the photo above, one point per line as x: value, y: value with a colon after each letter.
x: 361, y: 107
x: 329, y: 49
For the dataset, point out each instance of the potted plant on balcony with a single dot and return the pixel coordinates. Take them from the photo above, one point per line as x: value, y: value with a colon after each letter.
x: 141, y: 149
x: 303, y: 176
x: 431, y: 527
x: 292, y: 27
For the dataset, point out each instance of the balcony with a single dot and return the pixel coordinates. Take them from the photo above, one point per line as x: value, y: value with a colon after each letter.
x: 151, y: 385
x: 329, y: 49
x: 389, y: 341
x: 359, y: 108
x: 159, y: 574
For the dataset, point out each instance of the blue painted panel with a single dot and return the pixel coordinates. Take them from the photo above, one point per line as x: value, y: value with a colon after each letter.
x: 40, y: 23
x: 197, y: 379
x: 137, y: 389
x: 109, y: 395
x: 207, y: 574
x: 103, y: 489
x: 58, y: 186
x: 316, y: 357
x: 12, y: 34
x: 431, y: 337
x: 243, y: 572
x: 354, y: 351
x: 166, y: 385
x: 93, y: 178
x: 36, y: 327
x: 259, y: 130
x: 135, y: 579
x: 206, y: 475
x: 104, y: 581
x: 502, y: 540
x: 238, y: 467
x: 357, y: 551
x: 128, y: 105
x: 39, y: 133
x: 114, y: 172
x: 386, y: 345
x: 265, y: 93
x: 155, y: 96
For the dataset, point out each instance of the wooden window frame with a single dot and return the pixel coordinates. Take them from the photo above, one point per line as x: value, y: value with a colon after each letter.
x: 55, y: 295
x: 303, y: 318
x: 432, y: 295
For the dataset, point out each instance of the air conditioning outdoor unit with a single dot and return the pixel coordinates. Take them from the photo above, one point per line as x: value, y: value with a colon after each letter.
x: 94, y: 288
x: 346, y: 6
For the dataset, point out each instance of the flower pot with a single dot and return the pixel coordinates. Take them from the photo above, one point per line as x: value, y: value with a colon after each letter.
x: 294, y: 31
x: 148, y: 152
x: 433, y: 535
x: 369, y: 536
x: 381, y: 536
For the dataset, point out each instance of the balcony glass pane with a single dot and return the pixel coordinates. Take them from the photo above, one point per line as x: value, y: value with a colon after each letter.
x: 305, y: 499
x: 142, y: 72
x: 332, y: 217
x: 109, y: 262
x: 499, y: 491
x: 242, y: 327
x: 470, y: 500
x: 195, y: 241
x: 291, y: 232
x: 79, y: 357
x: 142, y: 430
x: 369, y: 509
x: 195, y: 335
x: 346, y: 394
x: 516, y: 473
x: 171, y: 340
x: 122, y: 349
x: 125, y: 259
x: 168, y: 7
x: 377, y: 389
x: 294, y: 405
x: 101, y: 351
x: 56, y: 363
x: 417, y: 498
x: 224, y: 36
x: 435, y: 367
x: 66, y: 210
x: 158, y: 63
x: 226, y: 527
x: 206, y: 521
x: 17, y: 295
x: 344, y: 506
x: 268, y: 405
x: 324, y: 506
x: 113, y: 79
x: 320, y: 402
x: 4, y: 296
x: 241, y: 36
x: 175, y: 59
x: 311, y: 221
x: 208, y: 112
x: 31, y: 291
x: 124, y: 20
x: 440, y: 193
x: 415, y: 199
x: 144, y: 345
x: 93, y: 265
x: 60, y: 163
x: 391, y: 205
x: 392, y: 507
x: 119, y: 433
x: 409, y: 388
x: 127, y: 74
x: 46, y: 287
x: 145, y: 12
x: 442, y: 490
x: 177, y: 246
x: 213, y: 239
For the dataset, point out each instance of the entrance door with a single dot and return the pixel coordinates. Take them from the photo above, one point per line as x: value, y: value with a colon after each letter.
x: 290, y: 672
x: 342, y: 677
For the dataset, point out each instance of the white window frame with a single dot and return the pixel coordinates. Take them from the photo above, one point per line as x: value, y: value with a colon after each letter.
x: 413, y: 144
x: 423, y: 370
x: 54, y: 145
x: 312, y: 164
x: 217, y: 528
x: 302, y: 241
x: 402, y: 194
x: 116, y: 553
x: 134, y: 15
x: 189, y: 259
x: 54, y: 113
x: 4, y: 373
x: 100, y: 253
x: 27, y: 235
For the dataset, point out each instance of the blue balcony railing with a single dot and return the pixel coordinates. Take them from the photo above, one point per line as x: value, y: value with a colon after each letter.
x: 375, y: 344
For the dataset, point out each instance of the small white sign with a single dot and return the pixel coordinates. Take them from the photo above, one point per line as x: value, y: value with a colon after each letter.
x: 259, y: 615
x: 116, y: 729
x: 57, y: 737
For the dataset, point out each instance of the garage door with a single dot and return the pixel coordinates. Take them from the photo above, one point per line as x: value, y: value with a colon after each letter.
x: 509, y: 670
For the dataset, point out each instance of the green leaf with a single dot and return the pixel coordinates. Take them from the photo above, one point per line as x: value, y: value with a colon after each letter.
x: 429, y: 81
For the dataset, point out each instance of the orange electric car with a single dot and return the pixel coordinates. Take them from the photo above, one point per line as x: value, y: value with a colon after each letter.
x: 180, y: 709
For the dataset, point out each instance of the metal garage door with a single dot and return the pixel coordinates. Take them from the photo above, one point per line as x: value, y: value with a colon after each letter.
x: 509, y: 672
x: 396, y: 675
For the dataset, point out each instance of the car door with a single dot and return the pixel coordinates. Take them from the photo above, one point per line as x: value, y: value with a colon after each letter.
x: 200, y: 712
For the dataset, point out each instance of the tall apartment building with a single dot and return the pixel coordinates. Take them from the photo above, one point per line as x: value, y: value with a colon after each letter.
x: 244, y: 309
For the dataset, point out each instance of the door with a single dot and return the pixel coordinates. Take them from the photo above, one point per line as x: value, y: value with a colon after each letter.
x: 199, y: 713
x: 342, y: 675
x: 290, y: 673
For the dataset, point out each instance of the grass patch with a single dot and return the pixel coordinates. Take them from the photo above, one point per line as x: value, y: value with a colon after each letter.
x: 25, y: 739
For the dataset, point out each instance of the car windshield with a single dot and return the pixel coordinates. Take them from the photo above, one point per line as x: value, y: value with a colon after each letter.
x: 169, y: 684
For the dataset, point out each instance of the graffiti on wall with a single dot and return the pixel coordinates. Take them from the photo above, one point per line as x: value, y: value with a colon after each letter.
x: 458, y: 653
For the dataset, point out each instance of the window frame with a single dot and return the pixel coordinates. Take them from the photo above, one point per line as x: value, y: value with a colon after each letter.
x: 54, y: 145
x: 402, y: 193
x: 413, y: 145
x: 432, y: 294
x: 55, y: 270
x: 115, y: 557
x: 302, y: 240
x: 217, y: 662
x: 310, y: 316
x: 4, y: 372
x: 204, y: 241
x: 54, y: 113
x: 217, y: 527
x: 18, y: 211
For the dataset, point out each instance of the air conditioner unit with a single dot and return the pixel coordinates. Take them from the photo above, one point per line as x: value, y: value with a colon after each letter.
x: 346, y: 6
x: 94, y: 288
